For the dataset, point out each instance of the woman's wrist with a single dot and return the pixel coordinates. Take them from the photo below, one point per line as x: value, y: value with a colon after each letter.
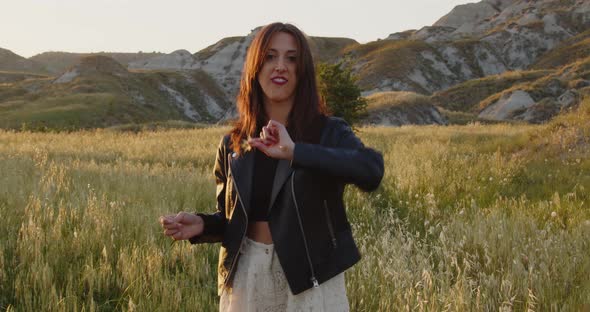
x: 289, y: 149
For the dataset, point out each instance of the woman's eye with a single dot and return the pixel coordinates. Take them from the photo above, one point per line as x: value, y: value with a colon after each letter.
x: 292, y: 58
x: 270, y: 57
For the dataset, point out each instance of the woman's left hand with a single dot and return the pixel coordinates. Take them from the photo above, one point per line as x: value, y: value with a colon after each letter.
x: 274, y: 141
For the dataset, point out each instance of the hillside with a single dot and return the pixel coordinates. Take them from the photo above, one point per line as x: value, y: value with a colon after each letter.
x: 567, y: 52
x: 568, y: 135
x: 465, y: 97
x: 493, y: 60
x: 534, y: 96
x: 100, y: 92
x: 401, y: 108
x: 473, y: 41
x: 12, y: 76
x: 327, y: 49
x: 224, y: 60
x: 11, y: 62
x: 540, y: 100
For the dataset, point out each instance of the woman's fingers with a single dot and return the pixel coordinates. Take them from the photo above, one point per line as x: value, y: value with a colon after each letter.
x: 274, y: 141
x: 170, y: 232
x: 182, y: 225
x: 182, y: 217
x: 171, y: 226
x: 177, y: 236
x: 276, y: 126
x: 279, y: 131
x: 259, y: 144
x: 274, y: 131
x: 166, y: 219
x: 268, y: 135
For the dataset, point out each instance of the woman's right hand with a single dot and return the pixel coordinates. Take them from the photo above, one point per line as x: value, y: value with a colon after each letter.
x: 183, y: 225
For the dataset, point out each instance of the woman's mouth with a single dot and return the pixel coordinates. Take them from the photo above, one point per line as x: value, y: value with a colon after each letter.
x: 279, y: 80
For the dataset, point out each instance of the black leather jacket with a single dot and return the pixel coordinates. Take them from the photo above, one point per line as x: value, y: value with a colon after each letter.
x: 308, y: 223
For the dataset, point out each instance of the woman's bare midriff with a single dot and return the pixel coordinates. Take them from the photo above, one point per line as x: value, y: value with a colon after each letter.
x: 260, y: 231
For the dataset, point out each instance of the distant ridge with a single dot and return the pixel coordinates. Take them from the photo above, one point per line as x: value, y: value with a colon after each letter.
x: 57, y: 62
x: 10, y: 61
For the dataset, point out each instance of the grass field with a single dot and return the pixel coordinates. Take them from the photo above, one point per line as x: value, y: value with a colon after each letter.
x: 474, y: 217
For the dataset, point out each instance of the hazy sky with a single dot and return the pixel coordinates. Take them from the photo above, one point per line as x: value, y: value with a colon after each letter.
x: 29, y: 27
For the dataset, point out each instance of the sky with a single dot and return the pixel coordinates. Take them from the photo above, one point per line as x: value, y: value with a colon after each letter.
x: 29, y: 27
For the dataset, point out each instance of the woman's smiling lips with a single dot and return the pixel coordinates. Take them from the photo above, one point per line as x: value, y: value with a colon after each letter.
x: 279, y: 80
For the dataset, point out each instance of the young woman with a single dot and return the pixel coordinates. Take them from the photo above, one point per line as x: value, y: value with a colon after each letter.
x: 280, y: 173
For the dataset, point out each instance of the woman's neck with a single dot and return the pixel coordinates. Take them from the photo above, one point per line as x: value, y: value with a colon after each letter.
x: 278, y: 111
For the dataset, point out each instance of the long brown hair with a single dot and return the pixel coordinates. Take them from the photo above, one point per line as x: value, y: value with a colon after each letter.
x: 307, y: 106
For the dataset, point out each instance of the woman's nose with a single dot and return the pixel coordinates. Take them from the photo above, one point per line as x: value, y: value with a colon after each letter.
x: 280, y: 66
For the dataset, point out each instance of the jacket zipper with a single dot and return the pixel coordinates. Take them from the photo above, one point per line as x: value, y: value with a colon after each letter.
x: 330, y: 225
x: 313, y: 278
x: 243, y: 235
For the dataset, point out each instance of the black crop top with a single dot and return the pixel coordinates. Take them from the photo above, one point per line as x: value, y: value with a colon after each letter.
x: 262, y: 180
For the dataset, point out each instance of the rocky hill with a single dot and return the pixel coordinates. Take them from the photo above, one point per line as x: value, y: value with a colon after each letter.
x: 534, y: 96
x: 490, y: 60
x: 472, y: 41
x: 100, y: 92
x: 540, y: 100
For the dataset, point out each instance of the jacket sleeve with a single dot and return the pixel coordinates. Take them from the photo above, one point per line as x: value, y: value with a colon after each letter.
x: 348, y: 160
x: 214, y: 224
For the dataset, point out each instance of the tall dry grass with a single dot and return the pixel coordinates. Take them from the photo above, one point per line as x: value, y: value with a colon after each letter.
x: 465, y: 219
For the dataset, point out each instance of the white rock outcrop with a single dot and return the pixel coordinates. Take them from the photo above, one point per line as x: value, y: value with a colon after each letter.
x: 68, y: 76
x: 507, y: 106
x: 182, y: 103
x: 226, y: 63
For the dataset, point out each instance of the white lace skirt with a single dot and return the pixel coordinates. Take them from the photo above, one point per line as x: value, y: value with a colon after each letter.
x: 260, y: 285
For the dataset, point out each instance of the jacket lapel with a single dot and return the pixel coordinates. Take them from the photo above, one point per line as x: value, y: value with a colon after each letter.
x: 282, y: 173
x: 312, y: 135
x: 242, y: 169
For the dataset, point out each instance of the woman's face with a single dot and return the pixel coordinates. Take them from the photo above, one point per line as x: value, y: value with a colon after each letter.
x: 278, y: 76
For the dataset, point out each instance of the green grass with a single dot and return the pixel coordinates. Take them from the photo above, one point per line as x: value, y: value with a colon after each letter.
x: 458, y: 118
x: 157, y: 126
x: 467, y: 218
